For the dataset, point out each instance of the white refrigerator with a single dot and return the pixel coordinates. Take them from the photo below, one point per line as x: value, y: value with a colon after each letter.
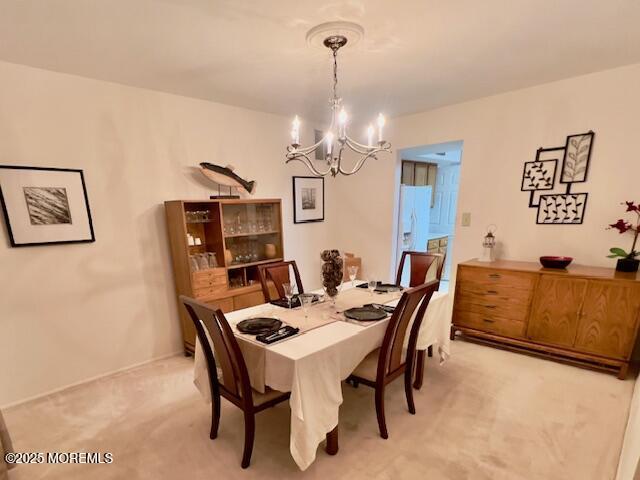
x: 413, y: 227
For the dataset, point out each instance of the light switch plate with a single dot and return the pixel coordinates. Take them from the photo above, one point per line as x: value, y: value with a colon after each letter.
x: 466, y: 219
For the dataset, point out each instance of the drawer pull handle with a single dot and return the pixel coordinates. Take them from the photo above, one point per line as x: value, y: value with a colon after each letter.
x: 492, y: 292
x: 488, y: 320
x: 495, y: 275
x: 490, y: 306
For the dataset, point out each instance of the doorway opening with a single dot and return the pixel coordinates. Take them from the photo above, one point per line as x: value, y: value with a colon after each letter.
x: 429, y: 186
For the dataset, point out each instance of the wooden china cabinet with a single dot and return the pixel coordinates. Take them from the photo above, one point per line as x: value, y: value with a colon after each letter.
x: 583, y: 315
x: 241, y: 234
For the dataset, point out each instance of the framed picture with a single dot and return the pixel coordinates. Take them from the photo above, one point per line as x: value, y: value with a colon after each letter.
x: 308, y: 199
x: 577, y: 155
x: 566, y: 209
x: 42, y: 206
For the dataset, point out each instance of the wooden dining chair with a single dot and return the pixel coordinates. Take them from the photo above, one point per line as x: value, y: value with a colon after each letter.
x: 233, y: 384
x: 278, y: 273
x: 388, y: 362
x: 421, y: 267
x: 422, y: 270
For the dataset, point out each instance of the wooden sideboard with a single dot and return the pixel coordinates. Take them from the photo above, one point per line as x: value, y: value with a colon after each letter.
x: 582, y: 315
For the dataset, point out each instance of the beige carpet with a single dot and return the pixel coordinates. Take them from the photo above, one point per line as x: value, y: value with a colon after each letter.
x: 486, y: 414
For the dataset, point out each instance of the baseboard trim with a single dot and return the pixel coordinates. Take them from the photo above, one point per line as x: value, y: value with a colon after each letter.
x: 90, y: 379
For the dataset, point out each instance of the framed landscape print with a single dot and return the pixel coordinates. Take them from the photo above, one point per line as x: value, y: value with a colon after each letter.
x: 42, y: 206
x: 308, y: 199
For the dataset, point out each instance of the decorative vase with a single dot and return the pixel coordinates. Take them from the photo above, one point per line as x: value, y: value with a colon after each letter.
x: 628, y: 265
x: 332, y: 273
x: 270, y: 250
x: 228, y: 257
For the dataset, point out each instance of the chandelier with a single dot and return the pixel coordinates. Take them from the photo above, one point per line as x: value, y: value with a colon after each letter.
x: 336, y: 140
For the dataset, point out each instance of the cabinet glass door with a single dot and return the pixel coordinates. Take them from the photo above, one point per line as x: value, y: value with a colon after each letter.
x: 252, y: 233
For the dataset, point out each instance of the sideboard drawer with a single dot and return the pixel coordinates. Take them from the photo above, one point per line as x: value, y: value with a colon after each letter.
x: 488, y: 278
x: 498, y: 293
x: 489, y: 322
x: 514, y: 307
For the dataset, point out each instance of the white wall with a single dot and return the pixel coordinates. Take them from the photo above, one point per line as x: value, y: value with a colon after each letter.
x: 71, y: 312
x: 500, y: 133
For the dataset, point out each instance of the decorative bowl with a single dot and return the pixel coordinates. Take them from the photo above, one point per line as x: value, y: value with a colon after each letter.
x: 555, y: 262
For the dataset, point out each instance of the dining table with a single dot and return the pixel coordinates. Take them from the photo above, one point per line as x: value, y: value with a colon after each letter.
x: 313, y: 364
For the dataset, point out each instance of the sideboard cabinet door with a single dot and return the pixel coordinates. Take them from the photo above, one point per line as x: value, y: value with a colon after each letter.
x: 608, y: 319
x: 556, y: 307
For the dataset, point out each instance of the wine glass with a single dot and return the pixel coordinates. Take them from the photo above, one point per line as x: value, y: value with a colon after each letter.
x: 371, y: 285
x: 306, y: 299
x: 353, y: 271
x: 288, y: 291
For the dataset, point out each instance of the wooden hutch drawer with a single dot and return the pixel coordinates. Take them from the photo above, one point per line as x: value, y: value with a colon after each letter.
x: 488, y: 278
x: 488, y: 322
x: 214, y: 277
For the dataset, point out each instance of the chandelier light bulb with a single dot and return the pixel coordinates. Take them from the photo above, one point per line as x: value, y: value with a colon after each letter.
x: 329, y: 140
x: 342, y: 122
x: 342, y: 117
x: 295, y: 131
x: 381, y: 122
x: 370, y: 136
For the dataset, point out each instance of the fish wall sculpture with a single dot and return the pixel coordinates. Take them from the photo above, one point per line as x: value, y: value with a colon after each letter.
x: 226, y: 176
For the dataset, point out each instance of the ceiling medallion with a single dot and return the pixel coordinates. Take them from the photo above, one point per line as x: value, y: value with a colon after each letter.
x: 334, y: 36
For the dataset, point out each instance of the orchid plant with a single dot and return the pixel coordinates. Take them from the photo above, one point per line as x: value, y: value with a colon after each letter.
x: 623, y: 226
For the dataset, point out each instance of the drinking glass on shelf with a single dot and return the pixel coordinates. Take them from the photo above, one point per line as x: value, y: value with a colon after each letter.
x: 353, y: 271
x: 371, y: 285
x: 211, y: 257
x: 193, y: 263
x: 203, y: 261
x: 288, y: 291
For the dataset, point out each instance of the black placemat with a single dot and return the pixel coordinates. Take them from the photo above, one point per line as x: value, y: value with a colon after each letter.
x: 295, y: 301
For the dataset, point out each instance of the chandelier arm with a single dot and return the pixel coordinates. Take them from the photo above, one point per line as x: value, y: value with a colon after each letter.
x: 307, y: 162
x: 353, y: 143
x: 356, y: 147
x: 358, y: 165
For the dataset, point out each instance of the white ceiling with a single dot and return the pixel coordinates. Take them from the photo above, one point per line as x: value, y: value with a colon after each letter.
x: 415, y: 55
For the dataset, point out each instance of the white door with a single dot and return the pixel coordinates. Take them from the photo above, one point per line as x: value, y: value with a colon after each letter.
x: 443, y: 213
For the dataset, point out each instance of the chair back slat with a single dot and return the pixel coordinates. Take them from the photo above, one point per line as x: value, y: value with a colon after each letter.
x: 226, y: 351
x: 278, y: 273
x: 414, y: 300
x: 420, y: 264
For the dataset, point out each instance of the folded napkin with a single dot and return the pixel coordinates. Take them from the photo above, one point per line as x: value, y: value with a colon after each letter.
x: 284, y: 332
x: 386, y: 308
x: 381, y: 288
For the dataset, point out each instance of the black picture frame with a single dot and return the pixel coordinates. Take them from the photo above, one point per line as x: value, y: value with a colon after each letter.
x: 534, y: 164
x: 567, y: 153
x: 7, y: 216
x: 298, y: 216
x: 584, y: 196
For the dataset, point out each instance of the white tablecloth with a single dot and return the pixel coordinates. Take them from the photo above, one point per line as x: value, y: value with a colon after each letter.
x: 312, y: 366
